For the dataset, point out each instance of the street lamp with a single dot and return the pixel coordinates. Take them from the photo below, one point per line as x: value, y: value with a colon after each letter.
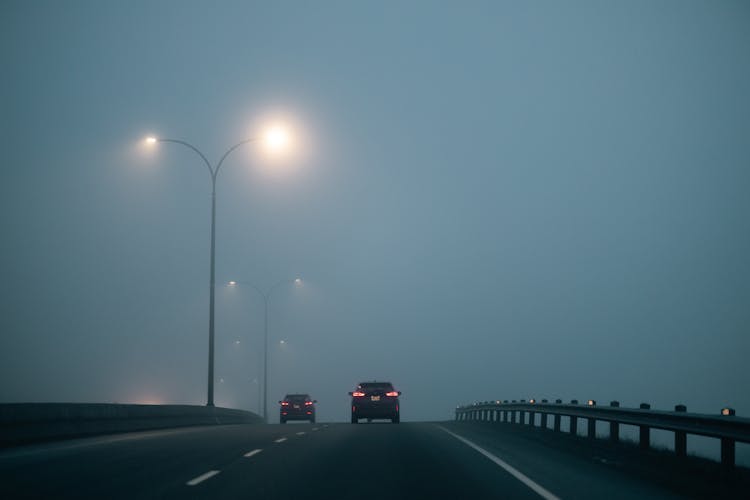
x: 272, y: 139
x: 266, y: 296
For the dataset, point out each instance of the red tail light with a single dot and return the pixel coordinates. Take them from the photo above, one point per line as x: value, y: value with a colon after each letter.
x: 308, y: 403
x: 358, y: 394
x: 285, y: 403
x: 393, y: 394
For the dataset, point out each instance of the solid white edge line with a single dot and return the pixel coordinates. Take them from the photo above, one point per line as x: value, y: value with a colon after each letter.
x: 251, y: 453
x: 202, y: 477
x: 280, y: 440
x: 539, y: 490
x: 315, y: 428
x: 300, y: 433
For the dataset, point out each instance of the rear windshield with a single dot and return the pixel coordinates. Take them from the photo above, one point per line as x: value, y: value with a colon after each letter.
x: 296, y: 398
x: 376, y: 386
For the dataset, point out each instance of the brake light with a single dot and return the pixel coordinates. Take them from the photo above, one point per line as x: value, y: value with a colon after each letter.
x: 308, y: 403
x: 285, y: 403
x: 358, y: 394
x: 392, y: 394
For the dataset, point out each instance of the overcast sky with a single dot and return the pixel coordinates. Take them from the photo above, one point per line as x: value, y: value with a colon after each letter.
x: 485, y: 200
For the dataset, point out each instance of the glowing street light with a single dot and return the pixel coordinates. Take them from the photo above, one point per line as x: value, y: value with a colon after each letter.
x: 276, y: 139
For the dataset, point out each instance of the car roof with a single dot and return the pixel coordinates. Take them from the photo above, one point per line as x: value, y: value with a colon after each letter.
x: 297, y: 396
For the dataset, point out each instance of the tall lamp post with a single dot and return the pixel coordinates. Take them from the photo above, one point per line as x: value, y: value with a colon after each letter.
x: 274, y: 138
x: 266, y: 296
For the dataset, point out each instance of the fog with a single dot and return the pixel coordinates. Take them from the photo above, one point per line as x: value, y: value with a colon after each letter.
x: 484, y: 200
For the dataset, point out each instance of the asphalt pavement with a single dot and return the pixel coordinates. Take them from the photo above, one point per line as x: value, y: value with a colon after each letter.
x: 300, y: 461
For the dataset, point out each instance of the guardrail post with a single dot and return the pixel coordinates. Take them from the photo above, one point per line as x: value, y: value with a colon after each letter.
x: 557, y: 417
x: 680, y: 437
x: 532, y: 418
x: 614, y: 427
x: 727, y: 452
x: 644, y: 431
x: 574, y: 420
x: 591, y: 428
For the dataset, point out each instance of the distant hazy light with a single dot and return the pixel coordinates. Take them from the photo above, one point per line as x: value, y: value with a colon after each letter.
x: 276, y: 138
x: 150, y: 140
x: 298, y: 281
x: 149, y: 400
x: 237, y: 342
x: 232, y: 283
x: 282, y: 341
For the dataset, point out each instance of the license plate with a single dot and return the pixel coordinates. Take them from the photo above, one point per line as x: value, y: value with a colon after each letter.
x: 374, y: 398
x: 296, y: 406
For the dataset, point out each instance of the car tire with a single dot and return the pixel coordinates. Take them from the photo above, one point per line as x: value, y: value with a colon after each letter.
x: 312, y: 420
x: 283, y: 421
x: 396, y: 419
x: 355, y: 420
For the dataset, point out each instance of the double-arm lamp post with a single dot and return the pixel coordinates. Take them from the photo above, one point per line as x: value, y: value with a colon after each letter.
x: 266, y: 296
x: 275, y: 138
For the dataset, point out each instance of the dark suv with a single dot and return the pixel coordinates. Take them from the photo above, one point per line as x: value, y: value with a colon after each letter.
x: 297, y: 407
x: 375, y: 400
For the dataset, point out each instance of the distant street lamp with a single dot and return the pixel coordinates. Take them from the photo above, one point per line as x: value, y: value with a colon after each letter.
x: 266, y: 296
x: 275, y: 138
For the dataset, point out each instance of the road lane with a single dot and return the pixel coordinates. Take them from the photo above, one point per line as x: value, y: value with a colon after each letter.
x: 363, y: 462
x: 144, y: 464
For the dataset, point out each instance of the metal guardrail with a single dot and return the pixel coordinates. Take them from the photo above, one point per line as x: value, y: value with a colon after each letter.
x: 29, y: 422
x: 725, y: 426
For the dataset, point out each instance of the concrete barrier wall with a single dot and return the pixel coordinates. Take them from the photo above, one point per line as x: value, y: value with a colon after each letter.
x: 31, y: 422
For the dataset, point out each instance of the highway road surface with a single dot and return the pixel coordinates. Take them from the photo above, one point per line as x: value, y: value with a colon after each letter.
x: 335, y: 461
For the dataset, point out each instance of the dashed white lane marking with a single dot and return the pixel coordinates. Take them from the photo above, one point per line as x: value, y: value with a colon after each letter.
x: 280, y: 440
x: 202, y: 477
x: 251, y: 453
x: 539, y: 490
x: 315, y: 428
x: 300, y: 433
